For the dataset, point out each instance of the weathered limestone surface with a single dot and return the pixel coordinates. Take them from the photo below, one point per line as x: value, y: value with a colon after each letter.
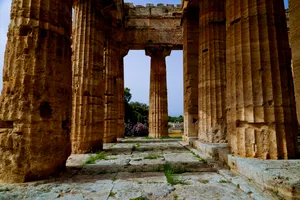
x: 88, y: 84
x: 294, y: 16
x: 35, y: 103
x: 190, y: 26
x: 212, y: 73
x: 111, y: 89
x: 152, y: 25
x: 120, y: 84
x: 261, y: 112
x: 158, y: 103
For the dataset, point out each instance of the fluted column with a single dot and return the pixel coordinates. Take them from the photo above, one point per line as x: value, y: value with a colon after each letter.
x: 35, y: 104
x: 190, y: 25
x: 261, y: 108
x: 88, y: 84
x: 212, y: 64
x: 110, y: 95
x: 120, y: 84
x: 158, y: 97
x: 294, y: 13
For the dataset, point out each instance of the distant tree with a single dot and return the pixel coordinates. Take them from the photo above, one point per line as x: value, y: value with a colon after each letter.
x: 127, y: 95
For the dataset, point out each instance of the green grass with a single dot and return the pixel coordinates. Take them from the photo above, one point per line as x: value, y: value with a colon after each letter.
x: 112, y: 194
x: 99, y: 156
x: 148, y: 137
x: 175, y: 196
x: 199, y: 158
x: 139, y: 198
x: 138, y: 145
x: 203, y: 181
x: 170, y: 174
x: 223, y: 181
x: 152, y: 156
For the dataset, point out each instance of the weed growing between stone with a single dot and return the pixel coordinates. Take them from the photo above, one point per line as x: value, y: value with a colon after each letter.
x: 170, y: 174
x: 112, y: 194
x: 223, y: 181
x: 152, y: 156
x: 99, y: 156
x: 139, y: 198
x: 197, y: 156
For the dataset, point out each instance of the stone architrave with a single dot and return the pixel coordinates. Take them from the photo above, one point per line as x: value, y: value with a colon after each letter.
x: 294, y: 16
x: 88, y: 83
x: 261, y: 116
x: 190, y: 25
x: 35, y: 104
x: 111, y: 89
x: 158, y: 97
x: 120, y: 84
x: 212, y: 72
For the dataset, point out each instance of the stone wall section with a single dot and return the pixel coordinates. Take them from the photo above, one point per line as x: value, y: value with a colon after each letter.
x: 35, y: 104
x: 261, y: 112
x: 212, y: 72
x: 88, y: 82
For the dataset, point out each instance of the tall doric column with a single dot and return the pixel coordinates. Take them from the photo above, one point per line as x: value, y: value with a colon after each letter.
x: 158, y: 100
x: 190, y: 66
x: 88, y: 85
x: 212, y: 64
x: 261, y: 112
x: 35, y: 104
x: 120, y: 85
x: 111, y: 97
x: 294, y: 13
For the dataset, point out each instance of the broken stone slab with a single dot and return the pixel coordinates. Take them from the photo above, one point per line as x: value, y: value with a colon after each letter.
x: 217, y: 151
x: 282, y: 177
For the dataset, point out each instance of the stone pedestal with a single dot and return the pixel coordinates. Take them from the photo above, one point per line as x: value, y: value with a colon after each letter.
x: 35, y: 104
x: 190, y: 27
x: 120, y: 85
x: 261, y: 114
x: 88, y: 85
x: 294, y: 13
x: 212, y: 73
x: 111, y: 89
x: 158, y: 100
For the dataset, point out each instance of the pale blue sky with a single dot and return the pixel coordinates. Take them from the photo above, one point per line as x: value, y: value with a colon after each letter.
x: 137, y: 64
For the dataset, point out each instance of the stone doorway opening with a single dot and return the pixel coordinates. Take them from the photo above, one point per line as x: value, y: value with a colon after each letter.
x: 137, y: 70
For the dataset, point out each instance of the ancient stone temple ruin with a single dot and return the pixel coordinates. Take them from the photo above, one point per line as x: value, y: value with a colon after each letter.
x: 63, y: 78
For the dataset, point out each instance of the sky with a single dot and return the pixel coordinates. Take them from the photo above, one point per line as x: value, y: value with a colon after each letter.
x: 136, y: 64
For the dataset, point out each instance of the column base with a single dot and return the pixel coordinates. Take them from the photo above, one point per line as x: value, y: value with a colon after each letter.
x: 189, y: 139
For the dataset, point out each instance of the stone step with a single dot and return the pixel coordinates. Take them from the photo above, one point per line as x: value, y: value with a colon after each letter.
x: 147, y: 140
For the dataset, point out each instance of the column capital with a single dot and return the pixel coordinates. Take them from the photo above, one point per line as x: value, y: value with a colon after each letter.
x: 123, y: 51
x: 161, y: 51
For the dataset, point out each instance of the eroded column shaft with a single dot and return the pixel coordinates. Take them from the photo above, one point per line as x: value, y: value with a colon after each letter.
x: 190, y: 62
x: 158, y: 97
x: 294, y: 13
x: 88, y: 84
x: 111, y: 89
x: 212, y: 64
x: 261, y: 107
x: 120, y: 93
x: 35, y: 104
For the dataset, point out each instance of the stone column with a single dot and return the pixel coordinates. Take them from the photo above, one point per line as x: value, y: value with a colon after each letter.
x: 261, y: 112
x: 120, y: 85
x: 88, y: 84
x: 294, y: 15
x: 158, y: 97
x: 212, y: 64
x: 35, y: 104
x: 111, y: 97
x: 190, y: 24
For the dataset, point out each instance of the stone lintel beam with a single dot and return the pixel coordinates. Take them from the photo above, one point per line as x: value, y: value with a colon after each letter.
x: 158, y: 98
x: 261, y: 116
x: 88, y: 84
x: 35, y: 104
